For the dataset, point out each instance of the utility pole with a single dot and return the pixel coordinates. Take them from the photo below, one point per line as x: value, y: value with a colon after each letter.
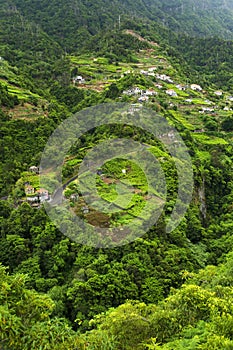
x: 119, y: 21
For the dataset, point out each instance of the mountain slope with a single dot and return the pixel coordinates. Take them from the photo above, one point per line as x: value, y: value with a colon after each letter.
x: 195, y: 17
x: 71, y: 23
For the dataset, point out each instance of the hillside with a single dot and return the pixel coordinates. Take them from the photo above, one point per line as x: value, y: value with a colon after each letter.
x: 33, y: 36
x: 80, y: 20
x: 163, y: 289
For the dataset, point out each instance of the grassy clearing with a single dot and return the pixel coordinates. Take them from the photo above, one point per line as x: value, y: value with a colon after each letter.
x: 202, y: 138
x: 178, y: 117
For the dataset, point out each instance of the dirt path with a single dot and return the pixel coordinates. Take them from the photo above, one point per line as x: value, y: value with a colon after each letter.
x: 140, y: 38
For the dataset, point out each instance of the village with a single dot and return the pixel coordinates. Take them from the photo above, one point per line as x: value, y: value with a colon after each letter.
x: 187, y: 102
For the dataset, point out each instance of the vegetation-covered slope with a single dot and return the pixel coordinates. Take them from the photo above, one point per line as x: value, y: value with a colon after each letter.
x: 81, y: 19
x: 129, y: 297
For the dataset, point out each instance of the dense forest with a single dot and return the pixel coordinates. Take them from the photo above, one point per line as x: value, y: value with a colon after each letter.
x: 165, y: 289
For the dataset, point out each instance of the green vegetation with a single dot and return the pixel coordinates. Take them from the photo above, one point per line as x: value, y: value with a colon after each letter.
x: 164, y: 290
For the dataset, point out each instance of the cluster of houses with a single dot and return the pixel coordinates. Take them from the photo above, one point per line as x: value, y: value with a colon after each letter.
x: 164, y: 77
x: 35, y: 195
x: 41, y: 195
x: 150, y: 72
x: 143, y: 95
x: 206, y: 109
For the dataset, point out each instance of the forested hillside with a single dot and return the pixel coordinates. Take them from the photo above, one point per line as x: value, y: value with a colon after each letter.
x: 80, y: 20
x: 165, y: 289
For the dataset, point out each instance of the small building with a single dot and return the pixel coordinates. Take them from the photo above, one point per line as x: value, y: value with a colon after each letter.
x: 74, y: 197
x: 181, y: 87
x: 78, y: 80
x: 29, y: 190
x: 171, y: 93
x: 132, y: 91
x: 218, y: 93
x: 33, y: 199
x: 196, y: 87
x: 34, y: 169
x: 143, y: 99
x: 85, y: 210
x: 207, y: 109
x: 150, y: 93
x: 43, y: 194
x: 164, y: 77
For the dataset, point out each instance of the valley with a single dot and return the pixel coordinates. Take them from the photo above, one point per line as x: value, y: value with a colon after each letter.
x: 163, y: 289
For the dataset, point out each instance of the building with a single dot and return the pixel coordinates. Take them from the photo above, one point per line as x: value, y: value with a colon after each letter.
x: 171, y: 93
x: 78, y: 80
x: 164, y: 77
x: 34, y: 169
x: 218, y: 93
x: 85, y: 210
x: 181, y: 87
x: 29, y: 190
x: 43, y: 194
x: 143, y: 99
x: 74, y: 197
x: 196, y: 87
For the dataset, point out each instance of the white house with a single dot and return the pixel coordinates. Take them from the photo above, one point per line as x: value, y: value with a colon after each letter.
x: 171, y: 93
x: 164, y: 77
x: 34, y: 169
x: 218, y: 93
x: 150, y: 93
x: 143, y: 99
x: 79, y: 79
x: 133, y: 91
x: 196, y: 87
x: 180, y: 87
x: 206, y: 109
x: 43, y: 194
x: 151, y: 74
